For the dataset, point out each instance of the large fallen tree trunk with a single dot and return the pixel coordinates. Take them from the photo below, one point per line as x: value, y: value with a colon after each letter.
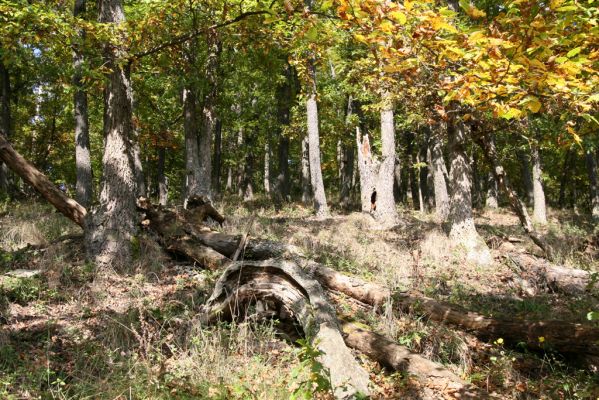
x: 295, y: 294
x: 399, y: 358
x: 555, y: 277
x: 67, y: 206
x: 562, y: 336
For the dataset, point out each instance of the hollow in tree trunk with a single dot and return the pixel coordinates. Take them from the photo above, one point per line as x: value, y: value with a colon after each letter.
x: 110, y: 229
x: 463, y: 231
x: 540, y: 209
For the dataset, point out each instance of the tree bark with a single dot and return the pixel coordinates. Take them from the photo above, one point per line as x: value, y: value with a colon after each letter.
x: 526, y: 176
x: 84, y: 183
x: 463, y: 231
x: 540, y: 210
x: 192, y: 154
x: 267, y: 179
x: 491, y: 200
x: 564, y: 178
x: 67, y: 206
x: 399, y: 358
x: 162, y: 179
x: 295, y: 294
x: 439, y: 177
x: 386, y: 210
x: 247, y: 187
x: 306, y: 189
x: 320, y: 201
x: 591, y: 163
x: 367, y: 167
x: 414, y: 190
x: 5, y: 122
x: 111, y: 228
x: 209, y: 113
x: 490, y: 153
x: 217, y: 168
x: 285, y: 98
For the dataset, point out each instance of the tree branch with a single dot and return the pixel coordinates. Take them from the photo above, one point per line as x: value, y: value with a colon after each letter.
x: 184, y: 38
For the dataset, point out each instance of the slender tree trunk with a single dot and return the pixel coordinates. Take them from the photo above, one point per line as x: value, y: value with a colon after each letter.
x: 591, y: 163
x: 463, y: 231
x: 565, y: 178
x: 346, y: 162
x: 283, y: 181
x: 110, y: 231
x: 412, y: 172
x: 209, y: 114
x: 5, y: 123
x: 161, y: 178
x: 540, y: 209
x: 192, y: 160
x: 241, y: 168
x: 418, y: 176
x: 229, y: 186
x: 267, y: 167
x: 217, y: 169
x: 490, y: 153
x: 367, y: 167
x: 285, y: 97
x: 320, y: 201
x: 491, y: 200
x: 397, y: 180
x: 440, y: 178
x: 248, y: 170
x: 385, y: 207
x: 140, y: 181
x: 306, y: 189
x: 526, y: 176
x: 84, y: 183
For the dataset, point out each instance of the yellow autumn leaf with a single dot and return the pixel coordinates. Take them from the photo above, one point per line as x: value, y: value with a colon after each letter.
x: 533, y: 104
x: 398, y: 16
x: 407, y: 4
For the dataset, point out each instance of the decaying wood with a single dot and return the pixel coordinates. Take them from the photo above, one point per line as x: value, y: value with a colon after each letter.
x: 562, y: 336
x: 555, y: 277
x: 295, y: 293
x: 399, y: 358
x: 17, y: 163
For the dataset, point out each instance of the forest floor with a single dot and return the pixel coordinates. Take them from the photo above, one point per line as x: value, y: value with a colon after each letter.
x: 68, y: 332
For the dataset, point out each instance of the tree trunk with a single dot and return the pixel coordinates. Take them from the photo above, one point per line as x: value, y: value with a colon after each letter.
x: 526, y: 176
x: 399, y: 358
x: 420, y: 180
x: 591, y: 163
x: 247, y: 186
x: 267, y: 167
x: 209, y: 114
x: 540, y: 210
x: 347, y: 172
x: 386, y: 210
x: 192, y: 154
x: 490, y: 153
x: 463, y: 231
x: 162, y: 180
x: 306, y: 189
x: 367, y: 167
x: 292, y: 293
x: 567, y: 168
x: 285, y: 98
x: 83, y: 187
x: 440, y: 178
x: 414, y: 190
x: 217, y: 156
x: 241, y: 168
x: 229, y: 186
x: 68, y: 207
x: 5, y: 123
x: 491, y: 200
x: 109, y: 232
x: 320, y: 201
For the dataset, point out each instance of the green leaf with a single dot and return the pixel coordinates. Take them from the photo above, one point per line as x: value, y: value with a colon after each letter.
x: 573, y: 52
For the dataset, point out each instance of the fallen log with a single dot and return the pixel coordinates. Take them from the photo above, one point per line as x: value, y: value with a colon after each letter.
x: 399, y: 358
x: 295, y: 293
x: 17, y: 163
x: 555, y: 277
